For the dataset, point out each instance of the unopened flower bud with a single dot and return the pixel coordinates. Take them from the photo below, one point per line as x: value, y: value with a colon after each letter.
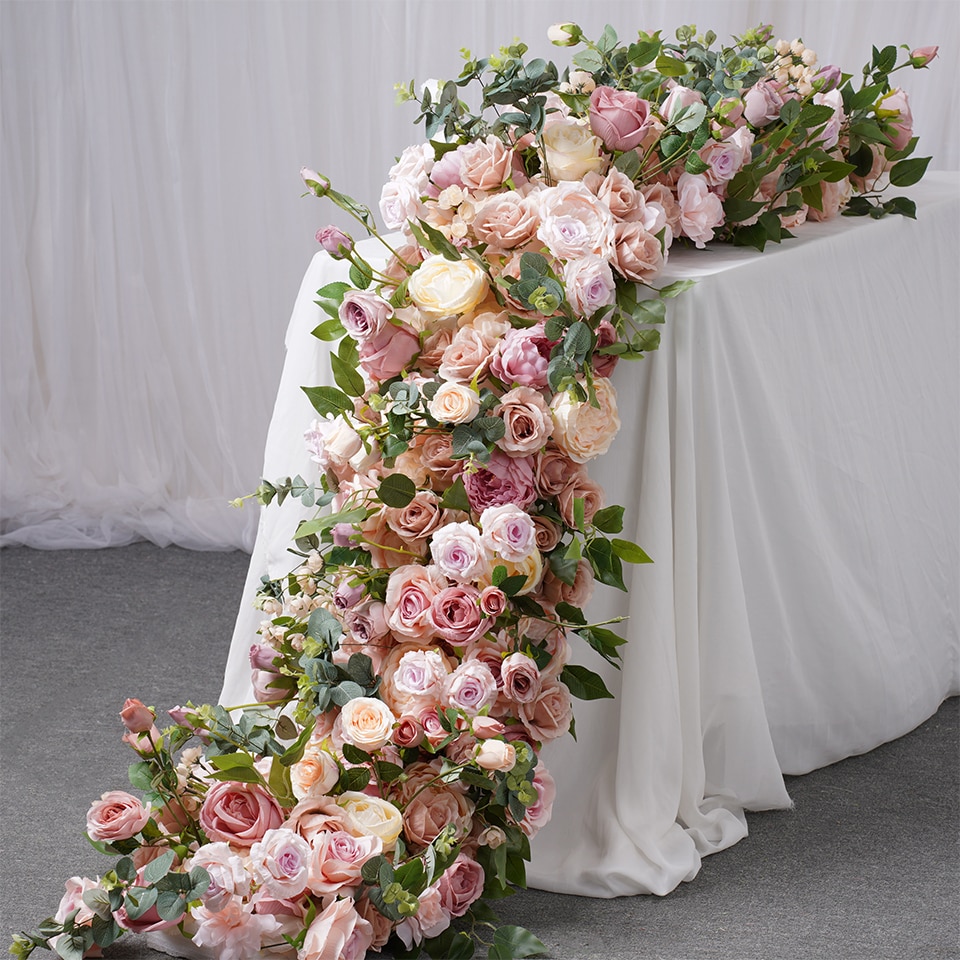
x: 922, y: 56
x: 334, y: 241
x: 315, y: 182
x: 564, y: 34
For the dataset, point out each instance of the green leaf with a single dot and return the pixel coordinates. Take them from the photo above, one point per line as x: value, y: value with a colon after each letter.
x: 904, y: 206
x: 347, y: 377
x: 584, y: 684
x: 564, y: 567
x: 605, y: 563
x: 577, y: 341
x: 324, y: 627
x: 356, y: 778
x: 676, y: 288
x: 353, y: 754
x: 334, y: 291
x: 790, y: 111
x: 512, y: 942
x: 158, y: 868
x: 695, y: 165
x: 359, y: 278
x: 570, y: 613
x: 125, y: 869
x: 669, y: 66
x: 642, y: 53
x: 396, y: 490
x: 138, y: 900
x: 689, y: 118
x: 331, y: 329
x: 628, y: 164
x: 455, y: 497
x: 439, y: 242
x: 609, y: 519
x: 387, y: 772
x: 140, y: 775
x: 512, y: 585
x: 328, y: 401
x: 908, y: 172
x: 629, y: 551
x: 239, y: 775
x: 736, y: 209
x: 171, y: 905
x: 345, y: 691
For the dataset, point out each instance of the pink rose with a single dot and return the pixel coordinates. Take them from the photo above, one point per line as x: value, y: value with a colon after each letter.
x: 433, y: 809
x: 72, y: 900
x: 554, y: 590
x: 831, y: 132
x: 136, y: 717
x: 762, y: 102
x: 619, y: 117
x: 239, y: 813
x: 548, y: 717
x: 896, y: 117
x: 466, y: 357
x: 509, y: 532
x: 554, y: 470
x: 573, y: 224
x: 459, y: 552
x: 334, y: 241
x: 413, y: 677
x: 456, y: 614
x: 228, y: 878
x: 537, y: 815
x: 408, y: 732
x: 501, y: 480
x: 384, y: 355
x: 521, y: 678
x: 639, y: 255
x: 507, y: 220
x: 399, y: 202
x: 435, y: 455
x: 921, y: 56
x: 315, y: 815
x: 589, y: 285
x: 366, y: 622
x: 485, y: 164
x: 617, y: 191
x: 470, y: 687
x: 486, y: 727
x: 410, y: 591
x: 724, y: 158
x: 461, y: 885
x: 526, y: 419
x: 700, y: 210
x: 430, y: 920
x: 117, y: 815
x: 237, y: 930
x: 604, y: 363
x: 338, y: 933
x: 834, y: 196
x: 381, y: 926
x: 580, y: 488
x: 364, y: 314
x: 280, y: 863
x: 493, y: 601
x: 677, y: 99
x: 337, y: 860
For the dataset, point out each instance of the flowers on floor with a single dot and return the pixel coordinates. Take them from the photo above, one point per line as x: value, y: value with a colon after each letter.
x: 411, y: 667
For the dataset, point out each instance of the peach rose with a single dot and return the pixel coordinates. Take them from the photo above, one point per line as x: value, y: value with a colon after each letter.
x: 315, y: 773
x: 433, y: 809
x: 367, y: 723
x: 381, y: 926
x: 454, y: 403
x: 117, y: 815
x: 338, y: 933
x: 495, y: 755
x: 639, y: 255
x: 581, y: 430
x: 467, y: 356
x: 578, y: 594
x: 554, y: 470
x: 507, y: 220
x: 548, y: 717
x: 485, y: 164
x: 442, y: 287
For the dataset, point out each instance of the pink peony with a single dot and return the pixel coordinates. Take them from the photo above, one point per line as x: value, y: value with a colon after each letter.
x: 117, y: 815
x: 501, y: 480
x: 228, y: 877
x: 522, y: 357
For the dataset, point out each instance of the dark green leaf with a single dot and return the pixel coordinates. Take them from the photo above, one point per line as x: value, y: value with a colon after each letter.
x: 396, y: 490
x: 347, y: 377
x: 356, y: 778
x: 171, y: 905
x: 512, y: 943
x: 584, y: 684
x: 908, y: 172
x: 328, y: 401
x: 455, y: 497
x: 158, y: 868
x: 609, y: 519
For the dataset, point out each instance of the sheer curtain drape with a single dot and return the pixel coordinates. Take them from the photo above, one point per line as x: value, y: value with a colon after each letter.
x: 153, y: 236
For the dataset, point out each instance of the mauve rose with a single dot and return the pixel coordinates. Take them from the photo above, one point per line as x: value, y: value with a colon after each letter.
x: 280, y: 863
x: 896, y: 117
x: 554, y: 470
x: 619, y: 117
x: 461, y: 884
x: 408, y: 732
x: 548, y: 534
x: 334, y: 241
x: 617, y: 191
x: 367, y: 621
x: 509, y: 532
x: 337, y: 860
x: 117, y: 815
x: 136, y: 717
x: 639, y: 255
x: 262, y: 656
x: 456, y: 615
x: 269, y: 686
x: 573, y: 224
x: 831, y: 132
x: 548, y: 717
x: 522, y: 357
x: 347, y: 595
x: 485, y: 164
x: 501, y: 480
x: 338, y: 933
x: 521, y: 678
x: 493, y: 601
x: 700, y: 210
x: 724, y: 159
x: 578, y: 594
x: 507, y: 220
x: 762, y: 102
x: 435, y: 455
x: 678, y: 98
x: 418, y: 519
x: 316, y: 815
x: 410, y: 590
x: 581, y: 488
x: 470, y: 688
x: 364, y: 314
x: 386, y: 354
x: 239, y: 813
x: 588, y: 282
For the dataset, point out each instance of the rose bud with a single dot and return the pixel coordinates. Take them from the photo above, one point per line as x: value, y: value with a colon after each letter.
x: 136, y: 717
x: 315, y: 182
x: 922, y: 56
x: 334, y: 241
x: 564, y: 34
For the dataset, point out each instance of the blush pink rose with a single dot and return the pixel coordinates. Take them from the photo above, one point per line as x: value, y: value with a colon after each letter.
x: 228, y: 878
x: 315, y: 815
x: 509, y: 532
x: 580, y: 488
x: 136, y: 717
x: 537, y: 815
x: 589, y: 286
x: 239, y: 813
x: 700, y: 210
x: 678, y: 98
x: 72, y: 900
x: 470, y: 688
x: 456, y: 614
x: 526, y: 419
x: 522, y: 357
x: 501, y: 480
x: 430, y: 920
x: 466, y: 357
x: 384, y: 355
x: 458, y: 550
x: 280, y: 863
x: 554, y: 470
x: 507, y: 220
x: 639, y: 255
x: 572, y: 222
x: 410, y: 591
x: 493, y: 601
x: 548, y: 717
x: 618, y: 117
x: 604, y: 363
x: 338, y: 933
x: 117, y: 815
x: 461, y: 885
x: 337, y: 860
x: 485, y: 164
x: 413, y: 677
x: 433, y: 809
x: 898, y: 118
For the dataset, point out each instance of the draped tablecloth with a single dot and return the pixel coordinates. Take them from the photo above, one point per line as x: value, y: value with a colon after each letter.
x: 789, y: 459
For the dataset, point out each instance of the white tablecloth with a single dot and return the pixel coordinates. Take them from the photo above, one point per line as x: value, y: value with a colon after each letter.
x: 789, y: 458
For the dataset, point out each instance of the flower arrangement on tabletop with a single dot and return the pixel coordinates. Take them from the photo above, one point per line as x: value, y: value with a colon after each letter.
x: 388, y: 777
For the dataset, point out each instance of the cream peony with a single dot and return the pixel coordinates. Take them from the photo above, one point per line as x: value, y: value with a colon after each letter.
x: 374, y: 816
x: 583, y: 431
x: 571, y: 150
x: 442, y: 287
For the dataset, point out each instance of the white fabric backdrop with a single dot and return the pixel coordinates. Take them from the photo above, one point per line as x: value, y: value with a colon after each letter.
x: 153, y: 238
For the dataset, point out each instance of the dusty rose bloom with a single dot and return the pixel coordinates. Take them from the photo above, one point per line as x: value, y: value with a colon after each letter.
x: 639, y: 255
x: 466, y: 357
x: 585, y: 489
x: 435, y: 455
x: 417, y: 520
x: 548, y: 717
x: 485, y: 164
x: 548, y: 534
x: 554, y: 470
x: 507, y: 220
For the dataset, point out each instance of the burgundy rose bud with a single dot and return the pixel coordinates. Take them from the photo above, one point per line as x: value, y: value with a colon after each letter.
x: 335, y: 241
x: 136, y: 717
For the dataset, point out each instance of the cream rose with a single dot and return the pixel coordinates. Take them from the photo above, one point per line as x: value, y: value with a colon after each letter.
x: 495, y: 755
x: 367, y: 722
x: 571, y: 150
x: 581, y: 430
x: 441, y: 287
x: 374, y: 816
x: 454, y: 403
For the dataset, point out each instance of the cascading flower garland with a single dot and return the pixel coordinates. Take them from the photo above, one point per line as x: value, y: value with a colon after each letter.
x: 411, y: 667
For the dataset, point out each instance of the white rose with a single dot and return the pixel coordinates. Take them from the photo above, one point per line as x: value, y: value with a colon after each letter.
x: 454, y: 403
x: 571, y: 150
x: 374, y: 816
x: 441, y: 287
